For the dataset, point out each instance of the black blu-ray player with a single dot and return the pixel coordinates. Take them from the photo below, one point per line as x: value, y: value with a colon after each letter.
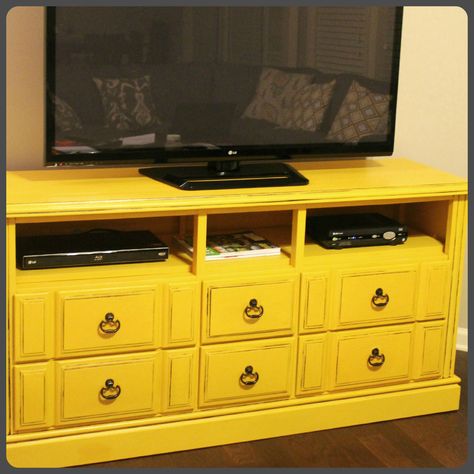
x: 355, y: 230
x: 94, y: 247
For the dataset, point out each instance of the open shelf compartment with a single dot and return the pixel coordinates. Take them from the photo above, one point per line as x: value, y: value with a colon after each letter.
x: 274, y: 226
x: 178, y: 262
x: 427, y: 234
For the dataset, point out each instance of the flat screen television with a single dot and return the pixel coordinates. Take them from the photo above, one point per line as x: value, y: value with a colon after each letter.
x: 209, y: 97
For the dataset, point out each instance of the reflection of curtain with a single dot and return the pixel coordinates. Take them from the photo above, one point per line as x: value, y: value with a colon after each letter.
x: 350, y: 39
x: 114, y: 49
x: 159, y: 47
x: 106, y: 49
x: 263, y: 36
x: 340, y: 38
x: 241, y: 35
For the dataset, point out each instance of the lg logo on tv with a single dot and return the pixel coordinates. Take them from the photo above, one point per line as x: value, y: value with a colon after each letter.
x: 232, y: 152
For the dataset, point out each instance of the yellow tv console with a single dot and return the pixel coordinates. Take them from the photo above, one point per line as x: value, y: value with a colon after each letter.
x: 117, y: 361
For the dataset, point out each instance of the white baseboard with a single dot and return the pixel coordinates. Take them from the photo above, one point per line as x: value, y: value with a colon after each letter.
x: 461, y: 341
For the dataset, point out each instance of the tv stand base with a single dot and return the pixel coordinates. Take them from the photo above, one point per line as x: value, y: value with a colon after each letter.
x: 129, y: 441
x: 216, y: 176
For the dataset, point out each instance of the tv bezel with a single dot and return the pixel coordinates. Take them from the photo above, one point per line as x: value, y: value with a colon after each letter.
x: 162, y: 155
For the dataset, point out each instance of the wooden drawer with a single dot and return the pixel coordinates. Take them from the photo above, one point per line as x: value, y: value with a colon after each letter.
x: 103, y: 388
x: 244, y: 372
x: 372, y: 356
x: 376, y: 297
x: 108, y: 320
x: 249, y: 308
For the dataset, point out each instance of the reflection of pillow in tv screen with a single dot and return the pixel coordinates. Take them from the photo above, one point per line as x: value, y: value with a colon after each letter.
x: 362, y: 113
x: 65, y: 118
x: 306, y: 109
x: 275, y: 90
x: 127, y: 102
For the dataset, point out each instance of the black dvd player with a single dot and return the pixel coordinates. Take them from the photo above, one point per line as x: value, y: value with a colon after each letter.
x: 355, y: 230
x: 94, y: 247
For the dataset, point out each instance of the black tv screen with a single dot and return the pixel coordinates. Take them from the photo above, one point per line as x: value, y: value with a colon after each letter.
x: 158, y: 84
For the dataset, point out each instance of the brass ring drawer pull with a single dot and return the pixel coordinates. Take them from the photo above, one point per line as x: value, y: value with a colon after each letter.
x: 376, y: 359
x: 108, y: 325
x: 380, y: 299
x: 249, y: 377
x: 253, y: 310
x: 110, y: 391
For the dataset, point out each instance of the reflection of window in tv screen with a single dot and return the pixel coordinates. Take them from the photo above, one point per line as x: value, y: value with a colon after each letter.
x: 176, y: 80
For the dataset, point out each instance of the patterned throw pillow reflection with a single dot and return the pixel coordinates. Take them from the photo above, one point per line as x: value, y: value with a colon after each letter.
x: 65, y: 117
x: 127, y: 103
x: 307, y: 107
x: 362, y: 113
x: 275, y: 90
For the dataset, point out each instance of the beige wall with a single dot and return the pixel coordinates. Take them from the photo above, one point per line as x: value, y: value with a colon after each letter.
x: 25, y: 87
x: 431, y: 122
x: 432, y: 104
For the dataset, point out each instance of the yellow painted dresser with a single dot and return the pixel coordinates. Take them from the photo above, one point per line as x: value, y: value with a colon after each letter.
x: 117, y: 361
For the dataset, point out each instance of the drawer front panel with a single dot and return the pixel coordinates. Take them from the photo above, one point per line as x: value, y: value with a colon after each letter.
x: 179, y: 379
x: 238, y: 373
x: 430, y: 349
x: 435, y: 295
x: 103, y: 322
x: 377, y: 297
x: 181, y: 321
x: 250, y: 310
x: 103, y: 388
x: 33, y: 327
x: 33, y: 396
x: 311, y: 364
x: 366, y: 357
x: 314, y: 302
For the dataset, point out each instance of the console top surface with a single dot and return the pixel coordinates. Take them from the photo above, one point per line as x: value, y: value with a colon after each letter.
x: 54, y: 192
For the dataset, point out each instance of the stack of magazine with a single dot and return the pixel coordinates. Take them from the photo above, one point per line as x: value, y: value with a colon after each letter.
x: 244, y: 244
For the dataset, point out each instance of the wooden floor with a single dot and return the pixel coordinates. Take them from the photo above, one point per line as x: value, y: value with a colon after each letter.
x: 427, y: 441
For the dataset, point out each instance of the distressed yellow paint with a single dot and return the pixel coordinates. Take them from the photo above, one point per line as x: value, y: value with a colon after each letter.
x: 223, y: 372
x: 179, y: 380
x: 431, y: 339
x: 314, y: 305
x: 358, y: 297
x: 354, y: 356
x: 33, y: 327
x: 230, y: 316
x: 437, y: 290
x: 311, y: 364
x: 131, y: 325
x: 82, y: 389
x: 182, y: 316
x: 33, y: 406
x: 185, y: 342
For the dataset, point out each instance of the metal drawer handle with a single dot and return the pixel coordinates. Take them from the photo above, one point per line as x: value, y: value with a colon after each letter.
x: 376, y: 359
x: 110, y: 391
x: 249, y: 377
x: 253, y: 310
x: 108, y: 325
x: 380, y: 299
